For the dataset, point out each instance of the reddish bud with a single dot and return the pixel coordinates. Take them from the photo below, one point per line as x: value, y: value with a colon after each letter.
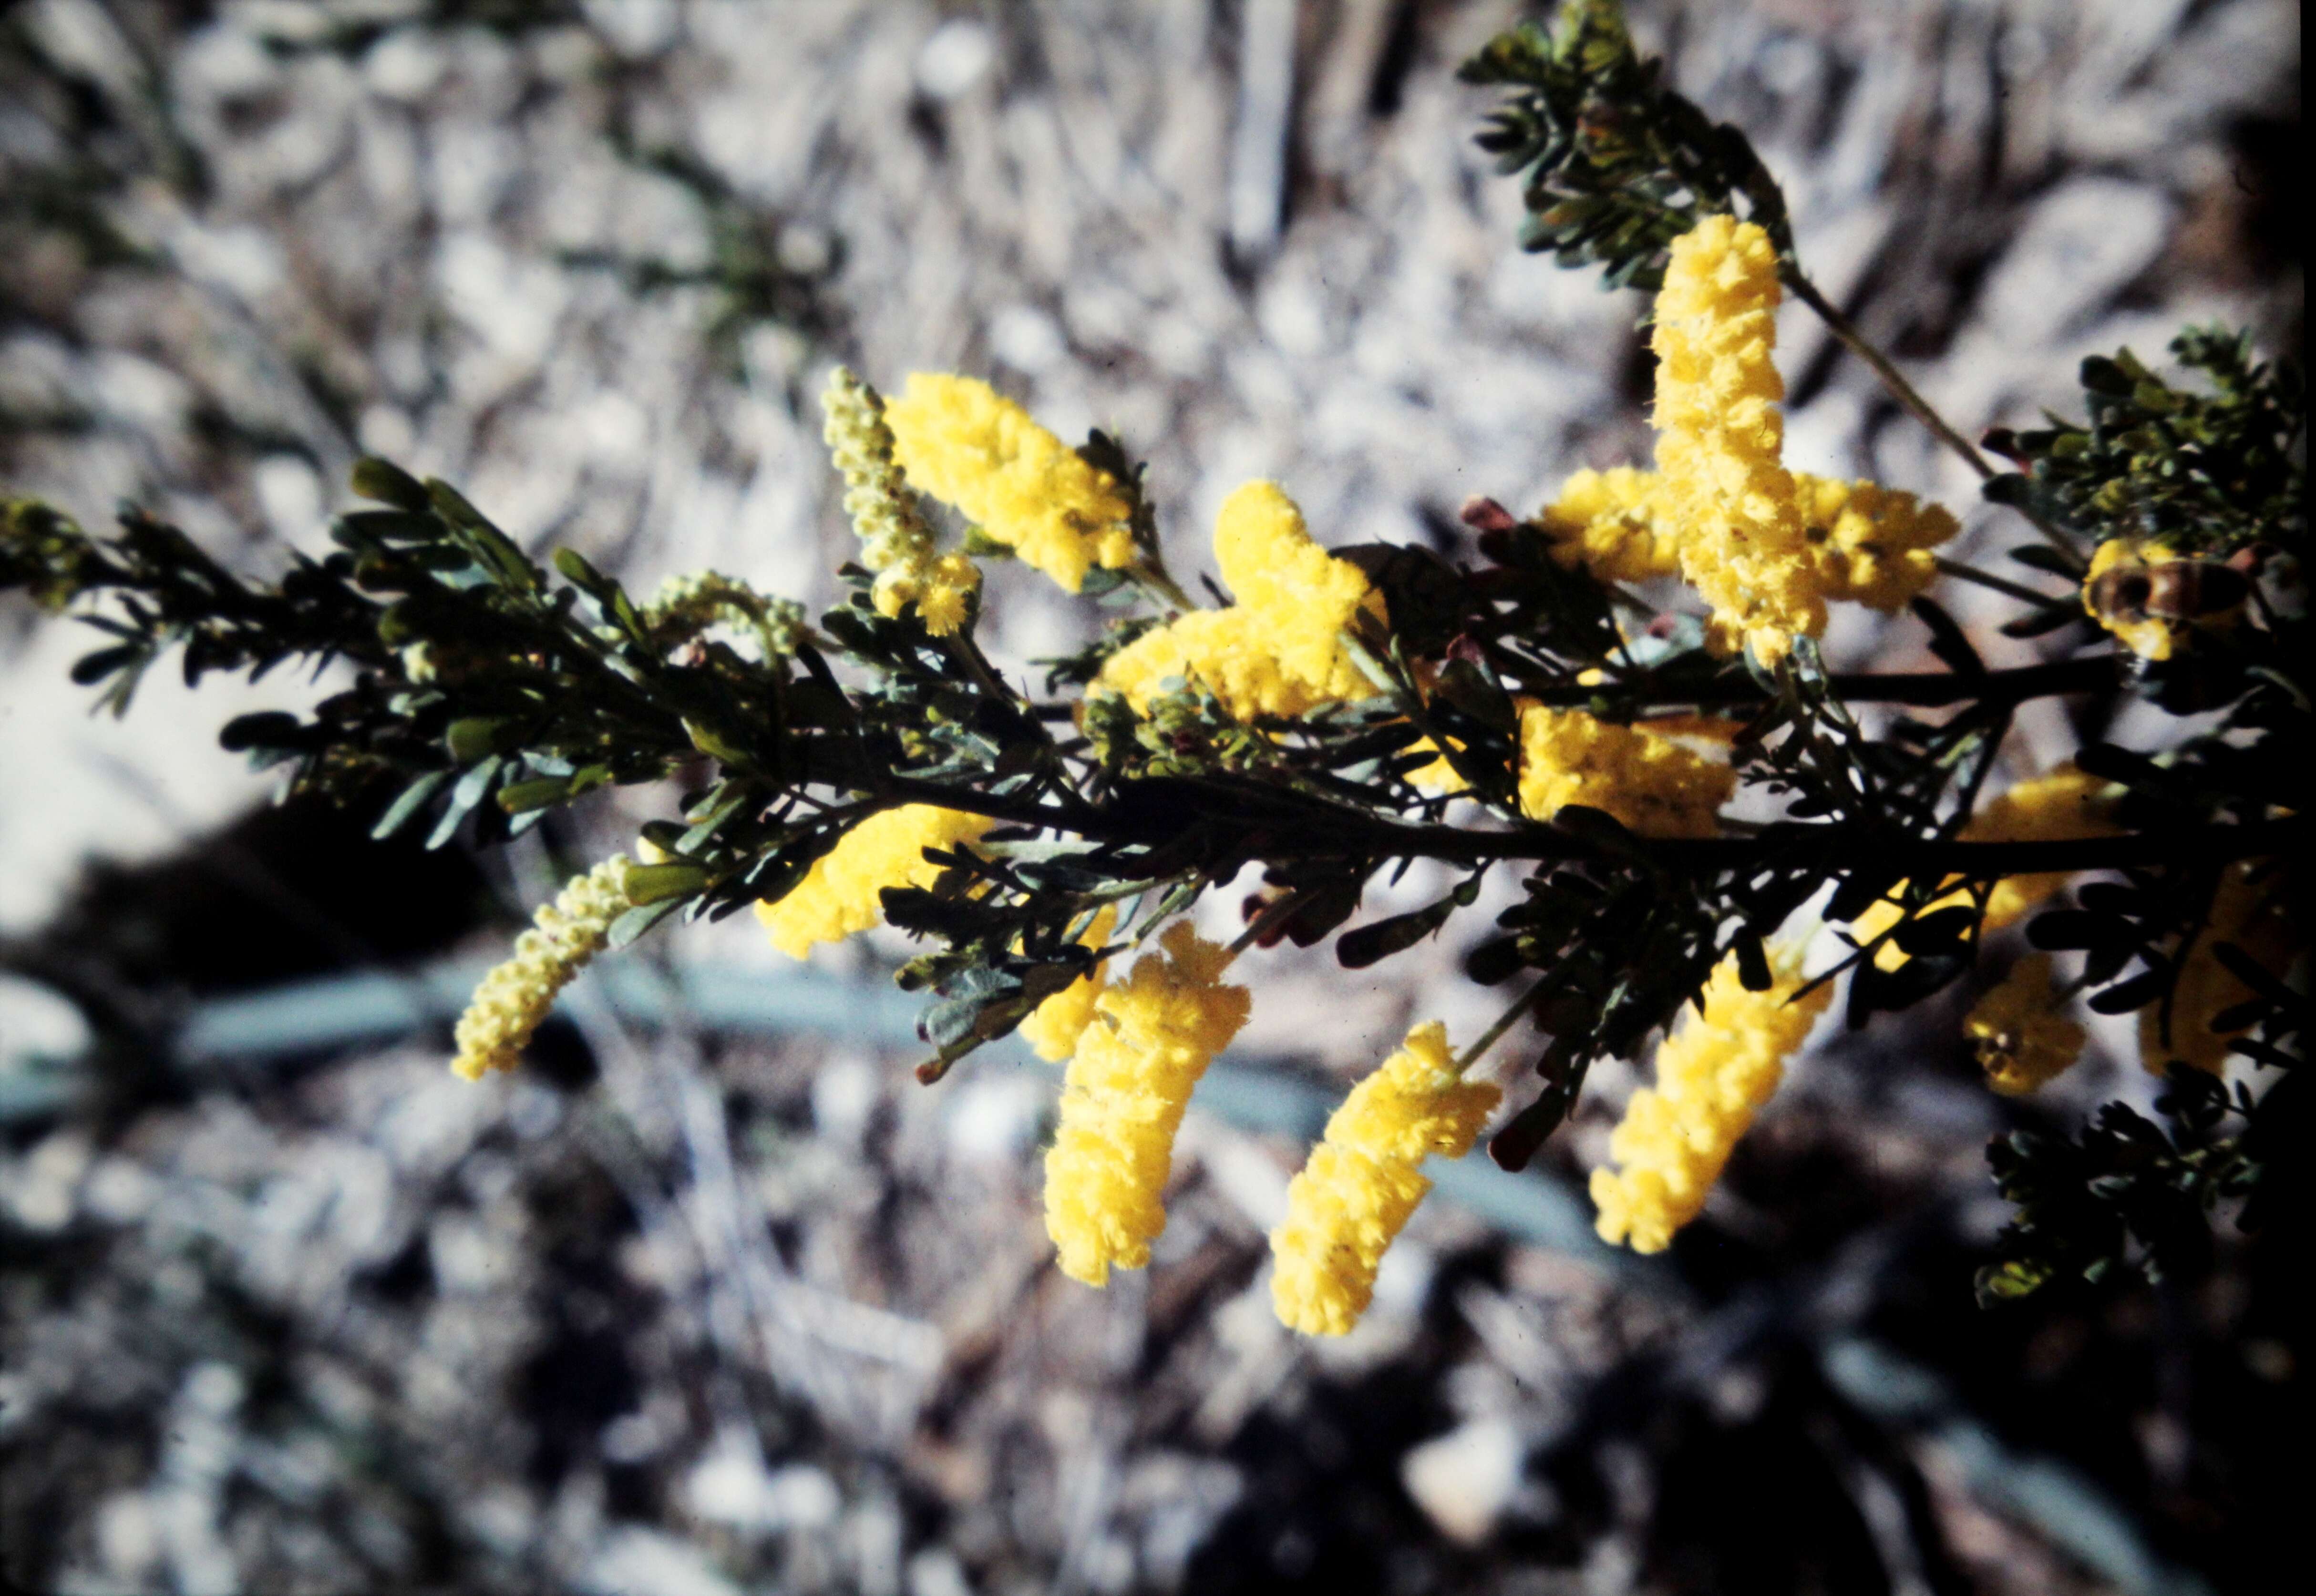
x: 1483, y: 514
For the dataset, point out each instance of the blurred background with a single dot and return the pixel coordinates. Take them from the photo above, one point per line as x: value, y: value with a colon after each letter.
x: 710, y: 1296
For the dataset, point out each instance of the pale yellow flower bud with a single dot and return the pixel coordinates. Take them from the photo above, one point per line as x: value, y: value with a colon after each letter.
x: 895, y: 543
x: 516, y: 995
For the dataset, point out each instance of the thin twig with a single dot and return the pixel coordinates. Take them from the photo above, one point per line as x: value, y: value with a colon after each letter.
x: 1915, y: 406
x: 1856, y: 342
x: 1504, y: 1021
x: 1987, y: 579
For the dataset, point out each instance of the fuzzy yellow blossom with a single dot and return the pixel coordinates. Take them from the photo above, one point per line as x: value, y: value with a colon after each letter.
x: 2152, y: 638
x: 515, y: 995
x: 2022, y: 1040
x: 1055, y: 1025
x: 2063, y: 803
x: 1228, y: 652
x: 1151, y: 1038
x: 839, y: 896
x: 1278, y: 651
x: 1363, y: 1182
x: 1873, y: 543
x: 1869, y: 544
x: 1713, y: 1076
x: 1616, y: 523
x: 895, y: 543
x: 1721, y: 438
x: 1651, y: 783
x: 967, y: 445
x: 2250, y: 915
x: 1275, y: 570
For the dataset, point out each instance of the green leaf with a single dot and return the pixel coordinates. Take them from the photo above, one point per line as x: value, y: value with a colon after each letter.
x: 267, y: 729
x: 413, y: 799
x: 480, y: 736
x: 635, y: 922
x: 650, y: 883
x: 390, y: 483
x: 541, y: 793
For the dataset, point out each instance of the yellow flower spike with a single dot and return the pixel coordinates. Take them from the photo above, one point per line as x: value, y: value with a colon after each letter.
x: 1868, y: 544
x: 1152, y: 1037
x: 1278, y: 651
x: 2022, y: 1041
x: 515, y: 995
x: 2062, y: 803
x: 1362, y: 1182
x: 840, y: 895
x: 1228, y: 652
x: 2251, y: 917
x: 1721, y: 438
x: 1651, y: 783
x: 1873, y: 543
x: 1616, y: 524
x: 967, y: 445
x: 1301, y: 595
x: 1055, y: 1025
x: 895, y: 541
x: 1713, y: 1074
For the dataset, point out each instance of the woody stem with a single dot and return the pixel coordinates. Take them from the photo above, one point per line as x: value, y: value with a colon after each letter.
x: 1908, y: 396
x: 1972, y: 573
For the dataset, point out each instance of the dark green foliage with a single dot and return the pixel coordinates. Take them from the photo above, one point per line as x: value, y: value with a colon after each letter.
x: 2204, y: 474
x: 1616, y: 165
x: 2130, y: 1195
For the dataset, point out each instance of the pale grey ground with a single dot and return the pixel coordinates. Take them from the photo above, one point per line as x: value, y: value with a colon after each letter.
x: 1081, y: 203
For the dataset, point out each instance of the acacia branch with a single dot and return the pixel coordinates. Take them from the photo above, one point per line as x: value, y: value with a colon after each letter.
x: 1257, y: 821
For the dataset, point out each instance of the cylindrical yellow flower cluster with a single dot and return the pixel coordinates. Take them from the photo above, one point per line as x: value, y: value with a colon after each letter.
x: 1055, y: 1025
x: 2022, y: 1040
x: 1151, y: 1039
x: 1713, y: 1076
x: 1868, y: 544
x: 2255, y: 919
x: 1278, y: 649
x: 1651, y: 783
x: 1618, y: 524
x: 1363, y: 1182
x: 1228, y: 652
x: 840, y: 895
x: 1873, y: 543
x: 1302, y: 594
x: 967, y: 445
x: 516, y: 995
x: 1721, y: 438
x: 895, y: 543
